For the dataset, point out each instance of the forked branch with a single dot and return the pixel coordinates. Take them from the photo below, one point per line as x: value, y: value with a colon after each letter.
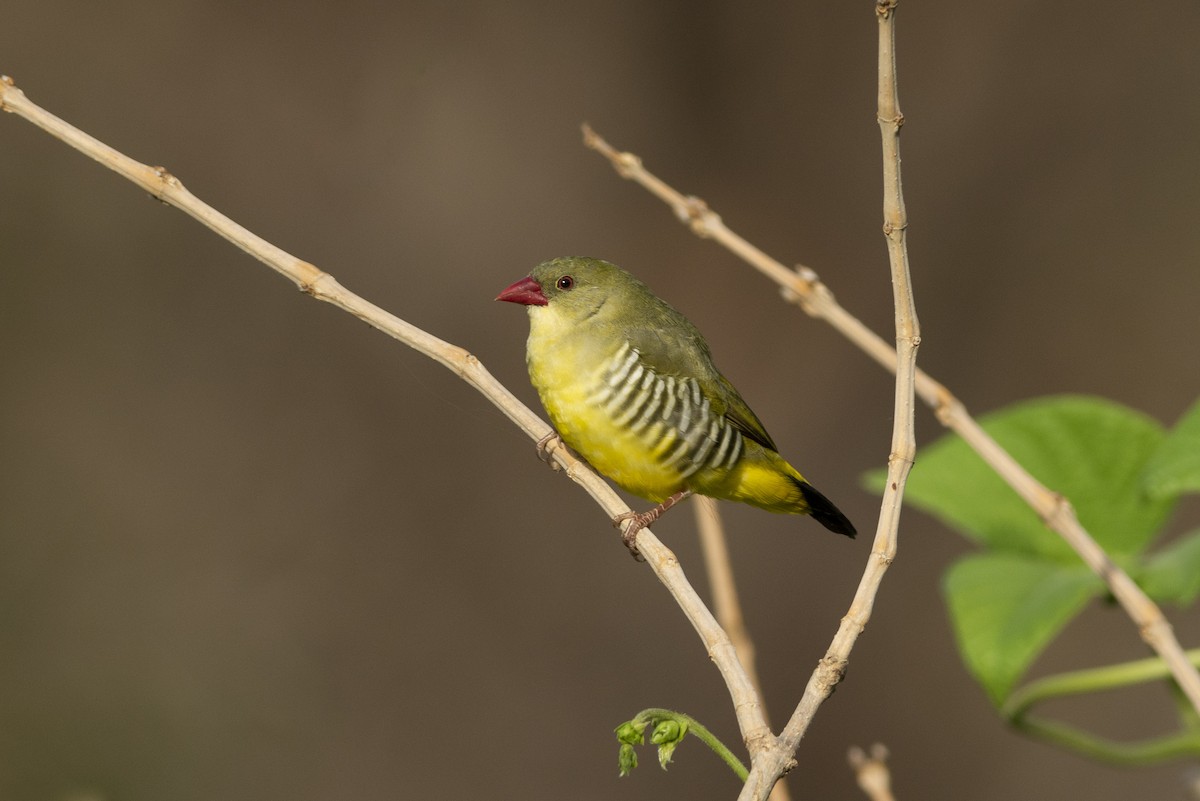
x: 322, y: 286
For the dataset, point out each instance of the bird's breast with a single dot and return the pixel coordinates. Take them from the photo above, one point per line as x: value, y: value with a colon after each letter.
x: 651, y: 432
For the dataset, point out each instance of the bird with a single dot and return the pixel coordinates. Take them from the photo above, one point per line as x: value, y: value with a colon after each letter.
x: 630, y: 385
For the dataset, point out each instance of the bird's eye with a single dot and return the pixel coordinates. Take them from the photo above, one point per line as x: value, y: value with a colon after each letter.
x: 565, y: 283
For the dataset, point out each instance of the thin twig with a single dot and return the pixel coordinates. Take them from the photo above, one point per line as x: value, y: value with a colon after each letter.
x: 831, y: 668
x: 322, y: 286
x: 872, y: 772
x: 725, y: 600
x: 803, y: 287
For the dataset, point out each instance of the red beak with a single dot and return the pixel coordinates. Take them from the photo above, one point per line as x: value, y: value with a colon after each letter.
x: 527, y: 292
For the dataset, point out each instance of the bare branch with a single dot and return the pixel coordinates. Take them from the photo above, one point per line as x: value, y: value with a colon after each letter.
x: 766, y: 770
x: 725, y: 599
x: 322, y: 286
x: 720, y: 577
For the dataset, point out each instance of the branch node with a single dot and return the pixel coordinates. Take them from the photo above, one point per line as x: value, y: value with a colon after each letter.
x: 165, y: 177
x: 946, y: 407
x: 668, y: 559
x: 7, y: 85
x: 801, y: 288
x: 832, y: 668
x: 572, y: 469
x: 807, y: 274
x: 1155, y: 631
x: 311, y: 286
x: 885, y: 8
x: 626, y: 164
x: 166, y: 181
x: 695, y: 214
x: 1060, y: 507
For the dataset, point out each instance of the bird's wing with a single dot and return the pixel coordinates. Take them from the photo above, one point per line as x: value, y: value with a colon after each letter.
x: 670, y: 345
x: 742, y: 416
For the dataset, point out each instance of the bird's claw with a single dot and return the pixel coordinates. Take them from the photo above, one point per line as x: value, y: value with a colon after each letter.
x: 546, y: 446
x: 637, y: 522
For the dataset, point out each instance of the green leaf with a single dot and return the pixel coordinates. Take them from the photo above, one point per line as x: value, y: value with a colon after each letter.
x: 1089, y: 449
x: 1175, y: 466
x: 1173, y: 574
x: 1005, y: 608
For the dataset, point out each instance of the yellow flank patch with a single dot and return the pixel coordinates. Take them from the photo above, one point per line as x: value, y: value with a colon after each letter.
x: 762, y: 478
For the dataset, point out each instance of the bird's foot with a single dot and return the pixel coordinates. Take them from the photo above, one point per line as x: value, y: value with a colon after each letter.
x: 640, y: 520
x: 546, y: 446
x: 637, y: 522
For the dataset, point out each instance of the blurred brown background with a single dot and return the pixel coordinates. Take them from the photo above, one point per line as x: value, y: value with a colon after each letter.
x: 251, y: 549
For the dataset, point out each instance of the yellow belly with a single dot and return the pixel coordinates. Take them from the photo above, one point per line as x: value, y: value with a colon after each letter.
x: 565, y: 369
x: 614, y: 451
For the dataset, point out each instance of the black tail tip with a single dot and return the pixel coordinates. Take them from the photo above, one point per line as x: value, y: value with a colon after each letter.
x: 824, y: 512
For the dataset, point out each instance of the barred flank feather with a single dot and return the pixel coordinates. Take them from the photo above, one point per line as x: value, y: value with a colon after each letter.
x: 669, y: 416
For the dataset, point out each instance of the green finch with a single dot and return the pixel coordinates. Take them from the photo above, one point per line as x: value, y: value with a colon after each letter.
x: 630, y: 385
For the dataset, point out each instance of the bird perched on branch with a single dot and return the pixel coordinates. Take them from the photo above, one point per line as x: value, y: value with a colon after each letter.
x: 630, y: 385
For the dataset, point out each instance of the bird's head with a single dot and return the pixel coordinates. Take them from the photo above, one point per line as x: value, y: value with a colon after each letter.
x: 575, y: 288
